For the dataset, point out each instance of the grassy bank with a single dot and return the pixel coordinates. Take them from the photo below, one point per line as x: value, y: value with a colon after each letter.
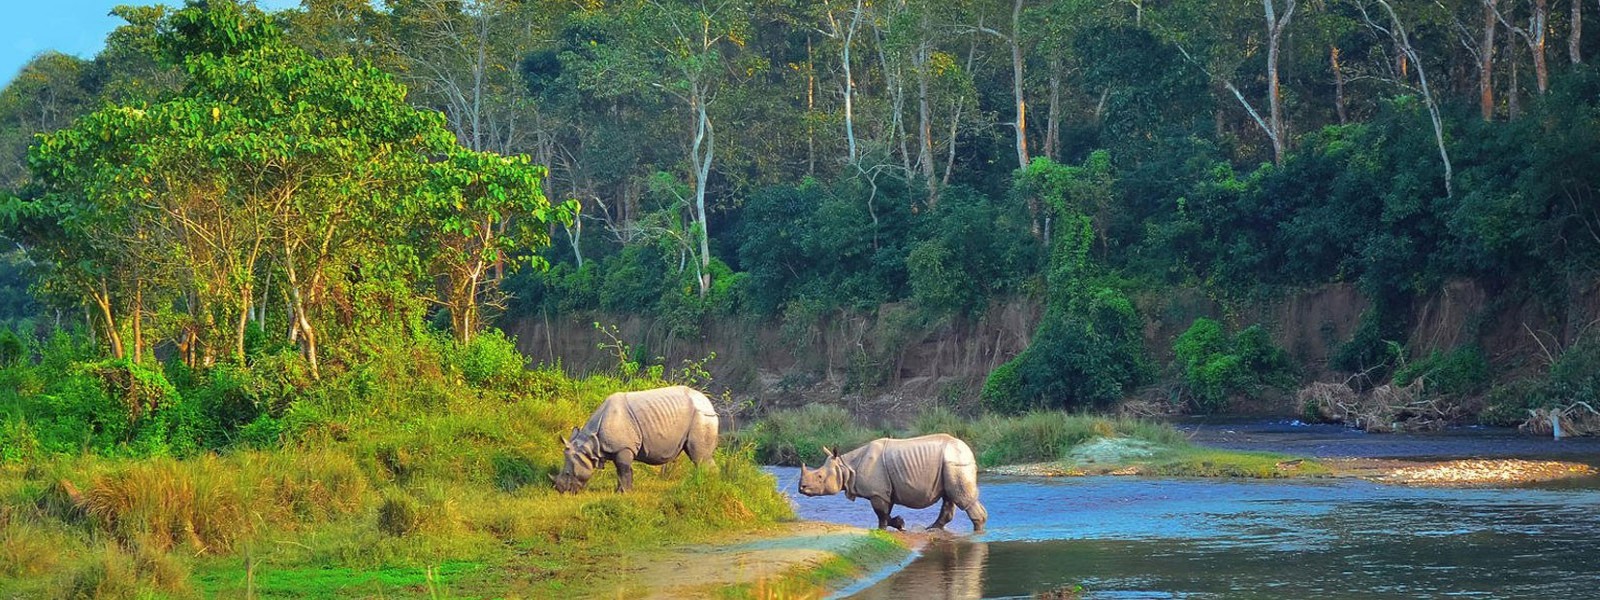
x: 815, y: 581
x: 1071, y: 443
x: 431, y: 488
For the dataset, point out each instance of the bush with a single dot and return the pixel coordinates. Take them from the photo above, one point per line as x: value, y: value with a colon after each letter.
x: 1459, y: 372
x: 490, y: 360
x: 12, y: 349
x: 1087, y: 357
x: 1216, y: 367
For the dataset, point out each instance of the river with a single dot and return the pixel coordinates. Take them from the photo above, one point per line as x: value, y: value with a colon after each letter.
x: 1132, y: 537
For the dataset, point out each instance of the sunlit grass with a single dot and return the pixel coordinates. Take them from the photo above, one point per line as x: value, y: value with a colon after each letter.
x: 815, y: 581
x: 451, y: 498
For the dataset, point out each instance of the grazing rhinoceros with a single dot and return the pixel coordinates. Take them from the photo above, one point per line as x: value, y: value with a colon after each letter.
x: 913, y: 473
x: 650, y: 426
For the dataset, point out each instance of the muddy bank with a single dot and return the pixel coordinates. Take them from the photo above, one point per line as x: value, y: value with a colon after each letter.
x: 804, y: 559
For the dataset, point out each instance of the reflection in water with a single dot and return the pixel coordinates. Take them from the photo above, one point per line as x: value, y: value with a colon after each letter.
x: 1146, y: 538
x: 947, y: 569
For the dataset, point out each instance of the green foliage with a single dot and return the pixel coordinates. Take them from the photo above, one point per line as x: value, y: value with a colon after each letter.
x: 490, y: 360
x: 793, y: 436
x: 1088, y: 349
x: 12, y: 348
x: 1458, y: 372
x: 385, y: 469
x: 1217, y: 367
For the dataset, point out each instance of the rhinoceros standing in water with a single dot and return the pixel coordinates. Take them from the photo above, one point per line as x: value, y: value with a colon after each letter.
x: 650, y: 426
x: 913, y: 473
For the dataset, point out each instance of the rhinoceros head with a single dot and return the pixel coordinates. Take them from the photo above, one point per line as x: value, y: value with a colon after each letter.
x: 825, y: 480
x: 579, y: 464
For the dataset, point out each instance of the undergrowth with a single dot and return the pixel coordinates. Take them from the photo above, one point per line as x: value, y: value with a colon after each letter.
x: 791, y: 436
x: 398, y: 478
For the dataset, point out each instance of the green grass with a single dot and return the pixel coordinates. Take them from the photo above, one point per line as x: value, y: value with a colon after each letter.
x: 789, y: 437
x: 1194, y: 461
x: 876, y: 548
x: 445, y: 495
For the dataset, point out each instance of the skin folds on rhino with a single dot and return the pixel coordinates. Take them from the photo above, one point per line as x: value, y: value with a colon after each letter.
x: 913, y: 473
x: 650, y: 426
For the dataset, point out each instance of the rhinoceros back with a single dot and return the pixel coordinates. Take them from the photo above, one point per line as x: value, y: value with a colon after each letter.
x: 656, y: 424
x: 912, y: 469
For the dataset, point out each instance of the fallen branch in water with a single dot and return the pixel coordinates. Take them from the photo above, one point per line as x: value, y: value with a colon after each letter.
x: 1383, y: 409
x: 1576, y: 420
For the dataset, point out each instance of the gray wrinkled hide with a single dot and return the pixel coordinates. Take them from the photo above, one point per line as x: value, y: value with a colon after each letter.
x: 913, y: 473
x: 649, y: 426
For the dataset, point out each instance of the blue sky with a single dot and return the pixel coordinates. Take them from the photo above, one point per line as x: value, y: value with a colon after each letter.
x: 77, y: 27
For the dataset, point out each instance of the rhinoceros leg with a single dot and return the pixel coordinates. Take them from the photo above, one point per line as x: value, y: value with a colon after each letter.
x: 883, y: 507
x: 978, y: 514
x: 947, y: 511
x: 702, y: 443
x: 961, y: 488
x: 624, y: 460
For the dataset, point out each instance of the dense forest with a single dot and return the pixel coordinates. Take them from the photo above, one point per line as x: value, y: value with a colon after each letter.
x: 263, y: 196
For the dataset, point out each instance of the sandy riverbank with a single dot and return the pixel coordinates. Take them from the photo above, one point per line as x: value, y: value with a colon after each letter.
x: 803, y: 559
x: 1463, y: 472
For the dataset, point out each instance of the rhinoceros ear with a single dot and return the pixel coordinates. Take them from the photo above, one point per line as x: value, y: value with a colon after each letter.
x: 563, y: 440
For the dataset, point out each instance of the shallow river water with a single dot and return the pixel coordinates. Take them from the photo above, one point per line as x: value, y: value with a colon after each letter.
x: 1128, y: 537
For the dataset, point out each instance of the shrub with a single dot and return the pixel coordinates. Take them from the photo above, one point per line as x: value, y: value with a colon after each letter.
x: 1215, y: 366
x: 12, y: 349
x: 490, y: 360
x: 399, y: 514
x: 165, y: 503
x: 1075, y: 360
x: 1459, y: 372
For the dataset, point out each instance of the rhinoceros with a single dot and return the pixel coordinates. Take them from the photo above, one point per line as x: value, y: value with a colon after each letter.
x: 913, y: 473
x: 649, y: 426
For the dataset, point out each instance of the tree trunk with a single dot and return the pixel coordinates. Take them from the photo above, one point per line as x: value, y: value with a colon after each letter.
x: 1338, y: 85
x: 308, y: 334
x: 955, y: 118
x: 850, y: 84
x: 1052, y: 128
x: 102, y: 298
x: 1403, y: 40
x: 1486, y: 62
x: 246, y: 297
x: 138, y: 321
x: 811, y: 108
x: 1538, y: 25
x: 1016, y: 84
x: 1575, y: 37
x: 703, y: 152
x: 1275, y: 27
x: 925, y: 125
x: 1513, y: 107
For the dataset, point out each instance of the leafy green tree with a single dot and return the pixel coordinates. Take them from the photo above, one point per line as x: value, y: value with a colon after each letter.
x: 471, y: 196
x: 270, y: 166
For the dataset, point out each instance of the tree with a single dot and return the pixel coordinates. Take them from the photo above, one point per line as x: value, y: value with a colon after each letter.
x: 468, y: 196
x: 1220, y: 49
x: 687, y: 50
x: 270, y: 164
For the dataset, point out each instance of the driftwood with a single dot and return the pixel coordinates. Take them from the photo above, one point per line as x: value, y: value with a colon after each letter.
x: 1576, y: 420
x: 1383, y: 409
